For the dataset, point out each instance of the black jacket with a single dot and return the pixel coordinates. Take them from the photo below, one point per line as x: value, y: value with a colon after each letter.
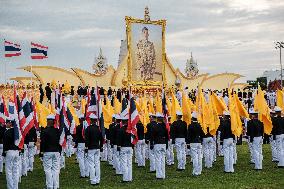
x: 123, y: 138
x: 2, y: 131
x: 49, y: 140
x: 226, y: 131
x: 278, y: 126
x: 149, y: 130
x: 194, y: 133
x: 179, y: 129
x: 159, y: 134
x: 93, y: 137
x: 9, y: 140
x: 114, y: 129
x: 31, y: 136
x: 79, y: 136
x: 255, y: 128
x: 140, y: 131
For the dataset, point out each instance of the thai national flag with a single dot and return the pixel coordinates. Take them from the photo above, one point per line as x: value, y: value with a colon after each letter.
x: 21, y: 119
x: 28, y: 113
x: 3, y: 111
x: 12, y: 49
x: 38, y: 51
x: 91, y: 106
x: 165, y: 112
x: 36, y: 123
x: 132, y: 120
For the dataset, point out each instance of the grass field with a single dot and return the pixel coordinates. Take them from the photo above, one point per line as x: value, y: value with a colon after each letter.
x: 244, y: 176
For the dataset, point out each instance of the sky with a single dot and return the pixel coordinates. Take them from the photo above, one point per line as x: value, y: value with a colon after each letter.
x: 224, y: 35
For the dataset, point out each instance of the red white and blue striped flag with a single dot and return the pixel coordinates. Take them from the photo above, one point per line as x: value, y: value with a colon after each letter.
x: 28, y: 113
x: 133, y: 119
x: 12, y: 49
x: 38, y: 51
x: 165, y: 111
x: 3, y: 110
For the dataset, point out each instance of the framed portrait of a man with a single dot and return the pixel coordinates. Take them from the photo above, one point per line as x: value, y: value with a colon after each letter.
x: 146, y: 48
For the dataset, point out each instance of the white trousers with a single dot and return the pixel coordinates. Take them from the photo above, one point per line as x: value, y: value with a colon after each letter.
x: 24, y: 158
x: 181, y: 155
x: 116, y: 163
x: 51, y: 165
x: 160, y: 155
x: 62, y: 159
x: 104, y: 152
x: 235, y: 151
x: 228, y: 150
x: 208, y: 148
x: 126, y: 163
x: 109, y: 153
x: 69, y: 147
x: 196, y: 155
x: 257, y: 152
x: 170, y: 157
x: 82, y: 160
x: 152, y: 160
x: 30, y: 156
x: 12, y: 169
x: 273, y: 146
x: 141, y: 145
x: 94, y: 165
x: 1, y: 158
x: 280, y: 149
x: 251, y: 151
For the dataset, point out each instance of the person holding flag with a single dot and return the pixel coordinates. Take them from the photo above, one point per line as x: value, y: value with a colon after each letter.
x: 50, y: 150
x: 94, y: 145
x: 11, y: 154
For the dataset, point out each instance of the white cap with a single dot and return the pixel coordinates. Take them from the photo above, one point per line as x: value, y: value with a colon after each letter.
x: 277, y: 109
x: 113, y: 115
x: 226, y: 113
x: 124, y: 117
x: 117, y: 116
x: 179, y: 113
x: 251, y: 111
x: 80, y: 116
x: 150, y: 114
x: 272, y: 111
x: 194, y: 115
x: 9, y: 118
x: 50, y: 116
x: 158, y: 114
x: 93, y: 116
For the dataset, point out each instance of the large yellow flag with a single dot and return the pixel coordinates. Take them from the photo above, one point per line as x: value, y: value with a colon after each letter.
x: 151, y: 106
x: 74, y: 114
x: 158, y: 104
x: 83, y: 106
x: 213, y: 117
x: 174, y: 107
x: 236, y: 123
x: 144, y: 115
x: 263, y: 110
x: 219, y: 104
x: 240, y: 107
x: 108, y: 111
x: 116, y: 105
x: 201, y: 110
x: 186, y: 109
x: 169, y: 105
x: 280, y: 99
x: 42, y: 112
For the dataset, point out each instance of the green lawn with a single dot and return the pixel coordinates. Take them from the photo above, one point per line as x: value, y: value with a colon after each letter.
x: 244, y: 176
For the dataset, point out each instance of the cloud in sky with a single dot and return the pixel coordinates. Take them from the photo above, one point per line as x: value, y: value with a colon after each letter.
x: 224, y: 35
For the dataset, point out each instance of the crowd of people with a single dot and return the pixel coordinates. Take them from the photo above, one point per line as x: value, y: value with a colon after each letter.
x: 160, y: 142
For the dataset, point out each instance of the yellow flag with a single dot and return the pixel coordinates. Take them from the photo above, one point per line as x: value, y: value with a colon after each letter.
x: 236, y: 123
x: 201, y: 108
x: 186, y: 109
x: 42, y: 112
x: 144, y: 115
x: 158, y: 103
x: 116, y: 105
x: 260, y: 105
x: 108, y: 111
x: 219, y: 104
x: 213, y: 116
x: 280, y: 99
x: 83, y: 106
x: 151, y: 106
x: 240, y: 108
x: 74, y: 114
x: 174, y: 107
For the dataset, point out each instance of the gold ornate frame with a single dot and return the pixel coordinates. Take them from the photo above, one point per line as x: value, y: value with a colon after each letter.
x: 129, y: 20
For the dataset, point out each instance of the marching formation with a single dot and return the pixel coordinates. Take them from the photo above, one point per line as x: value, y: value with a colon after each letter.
x: 136, y: 128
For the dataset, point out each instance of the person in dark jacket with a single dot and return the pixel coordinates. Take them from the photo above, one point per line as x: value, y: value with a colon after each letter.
x: 48, y: 92
x: 178, y: 137
x: 227, y: 142
x: 41, y: 92
x: 159, y: 141
x: 194, y: 139
x: 94, y: 145
x: 125, y: 147
x: 148, y: 135
x: 11, y: 154
x: 80, y: 145
x: 50, y: 150
x: 255, y: 131
x: 114, y: 129
x: 2, y: 131
x: 109, y: 146
x: 278, y: 135
x: 141, y: 145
